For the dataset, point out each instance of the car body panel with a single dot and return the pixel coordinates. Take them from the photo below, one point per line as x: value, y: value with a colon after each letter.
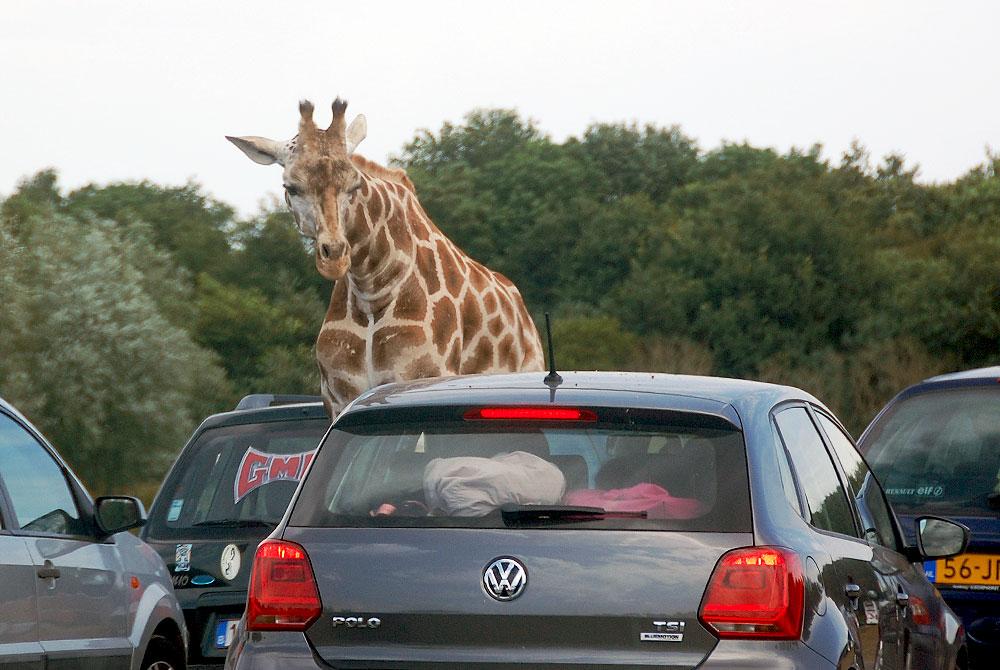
x: 91, y: 580
x: 615, y: 584
x: 20, y: 647
x: 151, y: 600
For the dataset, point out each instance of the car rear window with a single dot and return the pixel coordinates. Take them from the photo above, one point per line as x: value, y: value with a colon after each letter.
x: 235, y: 476
x: 939, y: 451
x: 658, y: 475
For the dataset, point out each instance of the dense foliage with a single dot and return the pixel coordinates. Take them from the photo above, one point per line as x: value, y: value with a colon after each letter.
x: 847, y: 279
x: 131, y: 310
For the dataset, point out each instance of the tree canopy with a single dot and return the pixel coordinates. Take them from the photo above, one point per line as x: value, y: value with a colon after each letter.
x: 130, y: 310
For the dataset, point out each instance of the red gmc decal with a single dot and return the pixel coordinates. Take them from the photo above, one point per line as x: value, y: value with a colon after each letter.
x: 258, y: 469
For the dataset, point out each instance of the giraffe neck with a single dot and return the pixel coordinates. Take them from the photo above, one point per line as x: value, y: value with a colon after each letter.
x: 379, y: 263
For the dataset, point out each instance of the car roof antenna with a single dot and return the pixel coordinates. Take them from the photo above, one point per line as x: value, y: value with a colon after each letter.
x: 553, y: 379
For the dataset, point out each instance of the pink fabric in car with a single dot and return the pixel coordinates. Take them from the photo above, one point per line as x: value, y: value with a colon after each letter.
x: 655, y: 500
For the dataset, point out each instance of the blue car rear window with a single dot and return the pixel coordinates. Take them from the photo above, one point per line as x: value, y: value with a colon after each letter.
x: 939, y: 452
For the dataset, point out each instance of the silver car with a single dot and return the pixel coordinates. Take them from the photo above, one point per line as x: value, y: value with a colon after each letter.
x: 608, y: 520
x: 78, y: 592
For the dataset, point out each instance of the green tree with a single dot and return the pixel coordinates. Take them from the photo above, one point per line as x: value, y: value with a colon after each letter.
x: 243, y: 327
x: 189, y: 224
x: 89, y: 356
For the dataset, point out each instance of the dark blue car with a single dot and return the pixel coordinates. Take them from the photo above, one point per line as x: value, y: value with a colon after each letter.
x: 936, y: 449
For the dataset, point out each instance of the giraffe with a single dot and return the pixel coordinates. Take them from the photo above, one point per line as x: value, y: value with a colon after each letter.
x: 407, y: 303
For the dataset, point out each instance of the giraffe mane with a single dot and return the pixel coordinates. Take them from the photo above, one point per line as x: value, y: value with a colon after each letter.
x: 373, y: 169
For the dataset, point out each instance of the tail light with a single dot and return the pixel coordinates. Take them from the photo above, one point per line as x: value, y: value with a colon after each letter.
x: 530, y: 414
x: 755, y: 593
x: 283, y: 593
x: 919, y: 612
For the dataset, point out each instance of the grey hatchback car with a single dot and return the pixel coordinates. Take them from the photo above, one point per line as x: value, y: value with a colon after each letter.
x: 78, y: 592
x: 607, y: 520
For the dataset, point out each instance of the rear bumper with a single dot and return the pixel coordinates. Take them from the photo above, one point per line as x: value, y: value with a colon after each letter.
x: 203, y: 610
x: 291, y: 651
x: 747, y: 654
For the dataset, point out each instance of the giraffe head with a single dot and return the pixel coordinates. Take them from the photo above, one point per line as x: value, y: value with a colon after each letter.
x: 319, y: 180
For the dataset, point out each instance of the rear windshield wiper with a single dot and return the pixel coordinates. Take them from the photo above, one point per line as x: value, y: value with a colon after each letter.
x: 244, y: 523
x: 512, y: 514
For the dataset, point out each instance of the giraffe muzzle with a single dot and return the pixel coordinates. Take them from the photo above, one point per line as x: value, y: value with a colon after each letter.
x: 332, y: 250
x: 332, y: 259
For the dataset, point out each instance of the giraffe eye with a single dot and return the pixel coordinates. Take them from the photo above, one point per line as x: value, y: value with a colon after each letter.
x: 292, y: 189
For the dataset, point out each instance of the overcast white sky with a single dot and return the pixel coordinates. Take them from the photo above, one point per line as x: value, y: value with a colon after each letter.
x: 129, y: 90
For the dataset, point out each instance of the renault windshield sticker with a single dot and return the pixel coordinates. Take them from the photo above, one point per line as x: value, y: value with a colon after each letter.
x: 258, y: 469
x: 182, y: 558
x: 923, y: 491
x: 175, y: 509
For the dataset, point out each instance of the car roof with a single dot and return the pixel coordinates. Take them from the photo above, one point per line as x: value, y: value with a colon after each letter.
x: 10, y: 409
x: 291, y: 412
x: 651, y: 390
x: 990, y: 373
x: 13, y: 411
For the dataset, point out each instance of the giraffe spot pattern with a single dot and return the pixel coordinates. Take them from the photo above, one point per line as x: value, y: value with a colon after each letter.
x: 358, y: 315
x: 453, y: 280
x: 342, y: 388
x: 472, y: 318
x: 480, y: 359
x: 425, y: 366
x: 443, y: 324
x: 490, y: 302
x: 411, y: 303
x: 337, y: 310
x: 342, y: 350
x: 427, y: 267
x: 392, y: 341
x: 496, y: 326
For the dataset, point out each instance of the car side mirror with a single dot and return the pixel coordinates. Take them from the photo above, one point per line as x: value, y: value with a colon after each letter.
x: 940, y: 538
x: 117, y: 513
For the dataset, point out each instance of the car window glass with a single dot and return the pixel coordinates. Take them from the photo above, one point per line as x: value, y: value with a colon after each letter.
x: 231, y: 475
x: 867, y: 493
x: 447, y: 474
x: 787, y: 480
x: 938, y: 452
x: 829, y: 508
x: 37, y: 489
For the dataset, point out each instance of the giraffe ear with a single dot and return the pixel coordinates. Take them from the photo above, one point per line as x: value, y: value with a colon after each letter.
x: 356, y: 132
x: 261, y: 150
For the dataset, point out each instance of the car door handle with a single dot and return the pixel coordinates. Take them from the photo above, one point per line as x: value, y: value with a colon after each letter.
x: 902, y: 598
x: 852, y: 591
x: 49, y: 571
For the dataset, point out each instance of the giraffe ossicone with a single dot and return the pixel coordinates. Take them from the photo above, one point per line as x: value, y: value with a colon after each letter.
x: 407, y: 303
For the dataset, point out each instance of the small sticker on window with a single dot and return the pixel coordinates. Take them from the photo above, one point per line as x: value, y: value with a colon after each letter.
x: 923, y: 491
x: 259, y: 469
x: 871, y: 612
x: 182, y: 558
x: 175, y: 509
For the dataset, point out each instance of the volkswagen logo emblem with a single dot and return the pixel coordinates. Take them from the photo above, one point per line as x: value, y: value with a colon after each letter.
x: 505, y: 578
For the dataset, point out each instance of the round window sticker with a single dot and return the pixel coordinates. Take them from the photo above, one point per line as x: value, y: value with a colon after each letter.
x: 230, y: 562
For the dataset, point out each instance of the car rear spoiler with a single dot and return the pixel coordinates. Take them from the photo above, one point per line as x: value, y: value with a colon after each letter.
x: 262, y: 400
